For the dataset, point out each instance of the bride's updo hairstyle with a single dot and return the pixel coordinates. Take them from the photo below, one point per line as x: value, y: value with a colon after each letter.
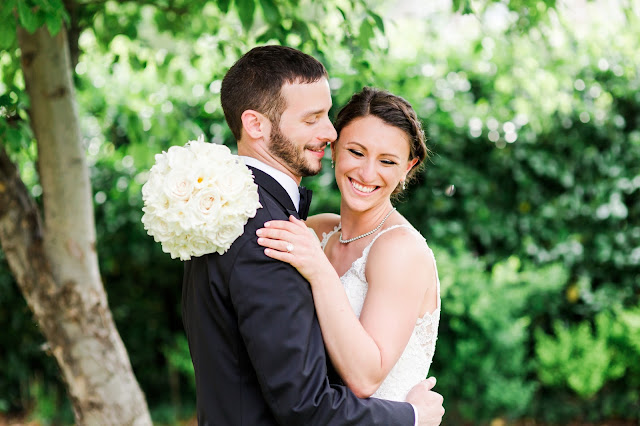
x: 394, y: 111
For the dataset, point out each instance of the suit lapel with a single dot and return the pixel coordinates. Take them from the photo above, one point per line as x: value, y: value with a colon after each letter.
x: 270, y: 185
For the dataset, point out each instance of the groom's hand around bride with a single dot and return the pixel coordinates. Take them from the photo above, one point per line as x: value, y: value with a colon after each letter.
x: 427, y: 402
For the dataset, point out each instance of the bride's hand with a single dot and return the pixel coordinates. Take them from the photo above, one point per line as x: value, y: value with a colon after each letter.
x: 293, y: 242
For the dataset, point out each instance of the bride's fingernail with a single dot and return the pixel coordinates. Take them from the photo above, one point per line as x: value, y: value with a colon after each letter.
x: 266, y: 224
x: 259, y: 232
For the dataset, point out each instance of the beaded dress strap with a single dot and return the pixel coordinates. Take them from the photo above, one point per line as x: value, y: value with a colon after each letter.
x: 366, y: 250
x: 327, y: 235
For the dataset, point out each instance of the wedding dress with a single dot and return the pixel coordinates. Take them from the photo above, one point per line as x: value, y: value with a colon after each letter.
x: 413, y: 365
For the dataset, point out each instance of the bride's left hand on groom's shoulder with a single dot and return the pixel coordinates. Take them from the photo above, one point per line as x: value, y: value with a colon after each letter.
x: 294, y: 243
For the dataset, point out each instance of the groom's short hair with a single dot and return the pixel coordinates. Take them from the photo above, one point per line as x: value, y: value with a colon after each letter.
x: 256, y: 79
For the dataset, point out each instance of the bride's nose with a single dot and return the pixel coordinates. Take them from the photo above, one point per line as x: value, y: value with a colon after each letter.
x: 367, y: 171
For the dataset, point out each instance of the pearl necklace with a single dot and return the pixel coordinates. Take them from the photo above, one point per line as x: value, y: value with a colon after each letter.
x: 366, y: 234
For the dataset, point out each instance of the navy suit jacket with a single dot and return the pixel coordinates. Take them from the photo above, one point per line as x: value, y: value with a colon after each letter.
x: 255, y: 340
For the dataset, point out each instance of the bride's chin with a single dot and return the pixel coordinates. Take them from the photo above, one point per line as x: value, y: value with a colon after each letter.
x: 357, y: 205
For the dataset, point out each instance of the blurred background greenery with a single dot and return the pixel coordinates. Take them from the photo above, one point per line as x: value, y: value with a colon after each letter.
x: 531, y: 200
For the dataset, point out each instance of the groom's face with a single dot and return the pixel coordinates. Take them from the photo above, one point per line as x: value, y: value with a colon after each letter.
x: 305, y: 129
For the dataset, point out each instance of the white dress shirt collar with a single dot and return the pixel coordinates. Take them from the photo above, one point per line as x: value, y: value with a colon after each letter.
x: 285, y: 181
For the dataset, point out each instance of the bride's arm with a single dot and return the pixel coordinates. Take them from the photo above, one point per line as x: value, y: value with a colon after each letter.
x: 363, y: 351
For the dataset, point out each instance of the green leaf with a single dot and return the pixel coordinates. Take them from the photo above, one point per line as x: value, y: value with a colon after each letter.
x: 65, y: 16
x: 270, y: 34
x: 366, y: 34
x: 54, y: 23
x: 7, y: 34
x: 467, y: 8
x: 28, y: 18
x: 14, y: 139
x: 378, y: 20
x: 270, y: 11
x: 57, y: 9
x: 5, y: 101
x: 246, y: 10
x: 44, y: 5
x: 6, y: 9
x: 223, y: 5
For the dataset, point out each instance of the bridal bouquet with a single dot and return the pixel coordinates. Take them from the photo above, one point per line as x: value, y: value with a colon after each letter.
x: 198, y: 199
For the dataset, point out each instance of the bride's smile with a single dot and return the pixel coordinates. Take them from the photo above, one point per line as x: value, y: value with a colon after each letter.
x: 366, y: 189
x: 371, y: 160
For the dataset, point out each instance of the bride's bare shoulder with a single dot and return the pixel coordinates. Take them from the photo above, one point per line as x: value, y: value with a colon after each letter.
x: 403, y: 243
x: 323, y: 223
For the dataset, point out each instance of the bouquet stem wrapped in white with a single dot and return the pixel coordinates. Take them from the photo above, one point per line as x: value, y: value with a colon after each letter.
x: 198, y: 199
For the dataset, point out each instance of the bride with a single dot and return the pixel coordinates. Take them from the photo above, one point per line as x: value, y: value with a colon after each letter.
x: 373, y: 276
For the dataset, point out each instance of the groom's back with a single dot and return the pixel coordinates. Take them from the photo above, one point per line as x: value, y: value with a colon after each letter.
x: 255, y: 341
x: 227, y: 386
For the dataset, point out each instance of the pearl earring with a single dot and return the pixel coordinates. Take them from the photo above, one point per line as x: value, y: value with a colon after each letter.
x: 332, y: 165
x: 403, y: 185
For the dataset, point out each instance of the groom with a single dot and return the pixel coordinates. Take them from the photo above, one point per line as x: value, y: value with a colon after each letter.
x: 254, y: 338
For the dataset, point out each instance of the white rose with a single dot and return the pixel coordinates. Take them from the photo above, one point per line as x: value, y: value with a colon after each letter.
x: 180, y: 157
x: 187, y: 219
x: 152, y: 192
x: 206, y: 150
x: 230, y: 185
x: 198, y: 246
x: 205, y: 174
x: 157, y: 227
x: 252, y: 202
x: 227, y: 234
x: 177, y: 247
x: 178, y: 185
x: 206, y: 205
x: 162, y: 164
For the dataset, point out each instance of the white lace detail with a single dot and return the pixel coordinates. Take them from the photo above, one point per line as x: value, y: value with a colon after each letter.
x: 413, y: 365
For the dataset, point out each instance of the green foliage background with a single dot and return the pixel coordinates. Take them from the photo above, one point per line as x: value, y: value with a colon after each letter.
x: 531, y: 200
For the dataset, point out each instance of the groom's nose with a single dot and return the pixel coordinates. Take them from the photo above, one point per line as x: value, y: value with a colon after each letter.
x: 328, y: 132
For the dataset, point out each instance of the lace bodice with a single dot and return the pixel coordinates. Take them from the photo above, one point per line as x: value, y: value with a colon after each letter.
x: 413, y: 365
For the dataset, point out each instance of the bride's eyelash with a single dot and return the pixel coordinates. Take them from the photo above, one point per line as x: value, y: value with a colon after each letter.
x: 360, y: 154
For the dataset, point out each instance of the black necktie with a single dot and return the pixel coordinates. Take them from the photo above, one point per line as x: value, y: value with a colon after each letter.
x: 305, y: 202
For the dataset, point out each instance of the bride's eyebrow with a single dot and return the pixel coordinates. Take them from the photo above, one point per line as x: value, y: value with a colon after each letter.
x: 364, y: 148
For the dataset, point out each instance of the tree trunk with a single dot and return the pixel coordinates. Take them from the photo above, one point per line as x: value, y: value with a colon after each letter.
x: 56, y: 264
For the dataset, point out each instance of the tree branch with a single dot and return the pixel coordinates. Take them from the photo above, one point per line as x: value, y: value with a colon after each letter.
x: 20, y: 229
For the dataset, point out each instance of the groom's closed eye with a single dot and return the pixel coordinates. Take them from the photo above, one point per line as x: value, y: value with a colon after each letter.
x: 312, y: 118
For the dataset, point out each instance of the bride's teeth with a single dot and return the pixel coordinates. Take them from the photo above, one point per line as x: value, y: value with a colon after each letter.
x: 363, y: 188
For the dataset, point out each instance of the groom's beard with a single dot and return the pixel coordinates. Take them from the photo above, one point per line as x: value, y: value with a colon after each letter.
x: 283, y: 148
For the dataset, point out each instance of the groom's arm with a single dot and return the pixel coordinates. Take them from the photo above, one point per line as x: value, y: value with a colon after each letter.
x: 276, y: 318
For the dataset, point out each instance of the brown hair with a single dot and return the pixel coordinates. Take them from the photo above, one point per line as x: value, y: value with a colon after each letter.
x: 394, y: 111
x: 256, y: 79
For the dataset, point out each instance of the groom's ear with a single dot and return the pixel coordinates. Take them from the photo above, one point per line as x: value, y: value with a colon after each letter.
x: 255, y: 124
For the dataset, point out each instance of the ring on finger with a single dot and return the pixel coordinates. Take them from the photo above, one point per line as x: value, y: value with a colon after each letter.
x: 289, y: 248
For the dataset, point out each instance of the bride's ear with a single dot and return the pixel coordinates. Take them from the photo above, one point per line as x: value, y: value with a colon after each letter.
x: 255, y: 124
x: 332, y: 147
x: 410, y: 166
